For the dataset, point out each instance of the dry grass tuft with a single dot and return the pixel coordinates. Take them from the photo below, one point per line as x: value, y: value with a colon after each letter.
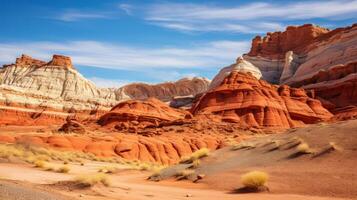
x: 89, y: 180
x: 185, y: 174
x: 304, y: 148
x: 108, y: 169
x: 254, y: 179
x: 196, y: 163
x: 195, y: 155
x: 40, y: 164
x: 63, y: 169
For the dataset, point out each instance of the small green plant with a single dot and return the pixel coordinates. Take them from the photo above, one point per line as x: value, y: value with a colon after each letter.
x: 254, y: 179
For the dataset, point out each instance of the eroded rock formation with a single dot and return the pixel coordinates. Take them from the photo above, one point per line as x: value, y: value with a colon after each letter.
x: 313, y: 58
x: 166, y: 149
x: 135, y: 113
x: 38, y: 90
x: 243, y: 99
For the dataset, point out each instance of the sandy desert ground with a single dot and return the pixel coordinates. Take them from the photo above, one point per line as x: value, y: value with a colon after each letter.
x: 322, y: 175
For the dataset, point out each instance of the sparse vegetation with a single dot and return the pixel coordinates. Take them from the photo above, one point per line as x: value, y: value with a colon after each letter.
x: 254, y: 179
x: 196, y: 163
x: 330, y: 148
x: 304, y: 148
x: 89, y: 180
x: 39, y: 164
x: 63, y: 169
x: 108, y: 169
x: 185, y: 174
x: 195, y: 155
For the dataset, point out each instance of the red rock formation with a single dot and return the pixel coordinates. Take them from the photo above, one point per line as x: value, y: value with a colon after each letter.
x: 166, y: 149
x: 243, y: 99
x: 26, y: 60
x: 312, y: 58
x: 59, y: 60
x: 142, y: 113
x: 294, y: 38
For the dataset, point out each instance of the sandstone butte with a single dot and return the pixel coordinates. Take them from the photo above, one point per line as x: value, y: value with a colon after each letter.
x: 242, y: 98
x: 135, y: 113
x: 33, y: 92
x: 313, y: 58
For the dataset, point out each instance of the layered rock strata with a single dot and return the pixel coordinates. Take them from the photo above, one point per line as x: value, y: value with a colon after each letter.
x: 243, y: 99
x: 313, y: 58
x: 135, y: 113
x: 55, y: 90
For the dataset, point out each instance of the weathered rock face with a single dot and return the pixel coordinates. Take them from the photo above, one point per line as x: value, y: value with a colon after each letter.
x: 166, y: 149
x: 166, y: 91
x: 55, y: 86
x: 313, y: 58
x: 62, y: 61
x: 294, y: 38
x: 243, y: 99
x: 40, y: 88
x: 136, y: 113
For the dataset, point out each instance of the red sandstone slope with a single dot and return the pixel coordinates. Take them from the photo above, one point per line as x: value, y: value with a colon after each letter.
x: 243, y: 99
x: 313, y: 58
x: 135, y: 113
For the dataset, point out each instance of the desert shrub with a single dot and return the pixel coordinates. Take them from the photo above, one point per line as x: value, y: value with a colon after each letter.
x: 254, y: 179
x: 185, y: 173
x: 196, y: 163
x: 108, y: 169
x: 49, y: 168
x: 304, y: 148
x: 63, y: 169
x: 195, y: 155
x: 93, y: 179
x: 39, y: 163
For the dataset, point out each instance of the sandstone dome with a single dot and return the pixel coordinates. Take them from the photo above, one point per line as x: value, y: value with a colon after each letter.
x: 241, y: 65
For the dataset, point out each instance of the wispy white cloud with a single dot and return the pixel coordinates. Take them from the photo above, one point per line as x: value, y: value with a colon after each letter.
x: 247, y: 18
x: 105, y: 55
x: 76, y: 15
x: 127, y: 8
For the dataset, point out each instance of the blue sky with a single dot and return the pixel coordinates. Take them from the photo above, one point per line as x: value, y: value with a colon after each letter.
x: 115, y: 42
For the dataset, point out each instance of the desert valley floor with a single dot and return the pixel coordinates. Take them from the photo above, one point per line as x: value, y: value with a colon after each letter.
x: 327, y: 173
